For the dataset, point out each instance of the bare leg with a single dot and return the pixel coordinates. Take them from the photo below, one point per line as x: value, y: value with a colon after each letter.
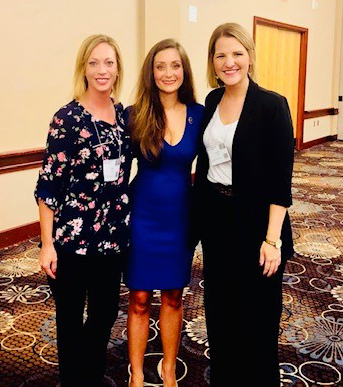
x: 171, y: 318
x: 138, y: 333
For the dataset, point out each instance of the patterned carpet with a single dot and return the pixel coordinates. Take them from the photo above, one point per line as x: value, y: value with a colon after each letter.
x: 311, y: 335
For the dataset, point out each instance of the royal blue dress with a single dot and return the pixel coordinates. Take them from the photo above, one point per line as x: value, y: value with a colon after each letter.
x: 160, y: 196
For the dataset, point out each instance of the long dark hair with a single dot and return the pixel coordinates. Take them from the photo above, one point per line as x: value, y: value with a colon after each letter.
x: 148, y: 120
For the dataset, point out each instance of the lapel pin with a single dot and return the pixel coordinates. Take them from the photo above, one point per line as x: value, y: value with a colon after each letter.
x: 190, y: 120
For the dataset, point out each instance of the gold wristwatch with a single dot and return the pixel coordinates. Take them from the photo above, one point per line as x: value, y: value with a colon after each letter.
x: 276, y: 244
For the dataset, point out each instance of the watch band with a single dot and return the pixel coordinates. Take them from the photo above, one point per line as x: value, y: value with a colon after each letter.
x: 276, y: 244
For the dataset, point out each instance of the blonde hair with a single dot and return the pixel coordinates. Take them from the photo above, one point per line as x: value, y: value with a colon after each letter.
x: 147, y: 119
x: 87, y: 46
x: 241, y: 34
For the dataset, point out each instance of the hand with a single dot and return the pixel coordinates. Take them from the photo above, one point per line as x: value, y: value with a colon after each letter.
x: 270, y: 257
x: 48, y: 260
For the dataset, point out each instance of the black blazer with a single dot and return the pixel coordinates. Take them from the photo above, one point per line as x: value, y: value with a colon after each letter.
x: 262, y: 164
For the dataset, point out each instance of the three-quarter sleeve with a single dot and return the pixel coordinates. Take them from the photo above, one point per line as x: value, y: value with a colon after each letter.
x: 53, y: 172
x: 282, y: 154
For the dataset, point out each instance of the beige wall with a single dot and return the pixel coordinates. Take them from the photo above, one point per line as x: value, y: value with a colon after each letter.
x: 38, y: 45
x: 161, y: 20
x: 340, y: 87
x: 322, y: 72
x: 17, y: 204
x: 42, y: 38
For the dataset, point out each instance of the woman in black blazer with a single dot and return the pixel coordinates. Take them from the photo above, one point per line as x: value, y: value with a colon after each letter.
x: 241, y: 193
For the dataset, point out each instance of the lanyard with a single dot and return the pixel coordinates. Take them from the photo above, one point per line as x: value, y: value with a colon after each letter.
x: 117, y: 137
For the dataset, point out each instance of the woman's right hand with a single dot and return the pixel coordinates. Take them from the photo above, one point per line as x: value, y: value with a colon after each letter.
x: 48, y: 260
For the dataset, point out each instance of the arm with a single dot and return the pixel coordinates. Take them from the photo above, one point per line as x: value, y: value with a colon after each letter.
x: 47, y: 255
x: 270, y: 256
x: 50, y: 184
x: 281, y: 167
x: 281, y: 154
x: 197, y: 188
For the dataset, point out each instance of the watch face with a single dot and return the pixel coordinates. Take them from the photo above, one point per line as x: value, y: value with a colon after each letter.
x: 278, y: 243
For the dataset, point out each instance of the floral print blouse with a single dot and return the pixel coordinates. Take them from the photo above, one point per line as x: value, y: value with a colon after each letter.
x: 91, y: 216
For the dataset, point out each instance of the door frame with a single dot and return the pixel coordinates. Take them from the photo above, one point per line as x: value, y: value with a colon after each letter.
x: 302, y: 70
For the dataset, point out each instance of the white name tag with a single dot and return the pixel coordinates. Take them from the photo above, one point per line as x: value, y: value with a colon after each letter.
x: 111, y: 169
x: 218, y: 154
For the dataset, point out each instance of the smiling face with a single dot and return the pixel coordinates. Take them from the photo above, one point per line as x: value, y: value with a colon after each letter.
x: 231, y: 61
x: 101, y: 69
x: 168, y: 70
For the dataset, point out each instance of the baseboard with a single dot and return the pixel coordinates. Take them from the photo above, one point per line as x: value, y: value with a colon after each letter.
x: 17, y: 234
x: 318, y: 141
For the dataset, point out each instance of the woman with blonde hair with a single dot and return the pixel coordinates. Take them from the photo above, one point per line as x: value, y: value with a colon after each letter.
x: 242, y: 190
x: 84, y: 214
x: 165, y: 122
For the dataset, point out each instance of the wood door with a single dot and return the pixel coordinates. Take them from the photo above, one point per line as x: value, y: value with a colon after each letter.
x: 278, y: 58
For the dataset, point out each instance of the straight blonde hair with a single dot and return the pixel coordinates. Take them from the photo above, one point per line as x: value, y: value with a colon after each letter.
x: 147, y: 118
x: 241, y: 34
x: 87, y: 46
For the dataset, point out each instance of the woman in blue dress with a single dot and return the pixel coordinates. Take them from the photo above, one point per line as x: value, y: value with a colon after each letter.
x: 165, y: 122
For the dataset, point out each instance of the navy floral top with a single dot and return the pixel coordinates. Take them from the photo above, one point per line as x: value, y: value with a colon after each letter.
x: 90, y: 215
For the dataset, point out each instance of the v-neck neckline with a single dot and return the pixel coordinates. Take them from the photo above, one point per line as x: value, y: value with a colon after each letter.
x: 96, y: 120
x: 183, y: 134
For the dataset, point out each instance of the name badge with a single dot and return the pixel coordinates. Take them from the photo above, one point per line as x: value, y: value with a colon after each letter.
x: 111, y: 169
x: 218, y: 154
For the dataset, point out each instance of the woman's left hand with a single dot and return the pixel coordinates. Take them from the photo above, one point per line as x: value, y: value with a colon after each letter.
x: 270, y: 257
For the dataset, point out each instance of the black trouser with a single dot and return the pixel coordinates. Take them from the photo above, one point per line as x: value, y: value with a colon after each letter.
x: 82, y: 338
x: 243, y: 307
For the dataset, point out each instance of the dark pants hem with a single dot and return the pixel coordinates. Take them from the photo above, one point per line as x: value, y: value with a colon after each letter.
x: 83, y: 334
x: 243, y: 307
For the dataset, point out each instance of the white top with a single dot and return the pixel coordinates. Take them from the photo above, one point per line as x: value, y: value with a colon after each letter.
x: 217, y: 133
